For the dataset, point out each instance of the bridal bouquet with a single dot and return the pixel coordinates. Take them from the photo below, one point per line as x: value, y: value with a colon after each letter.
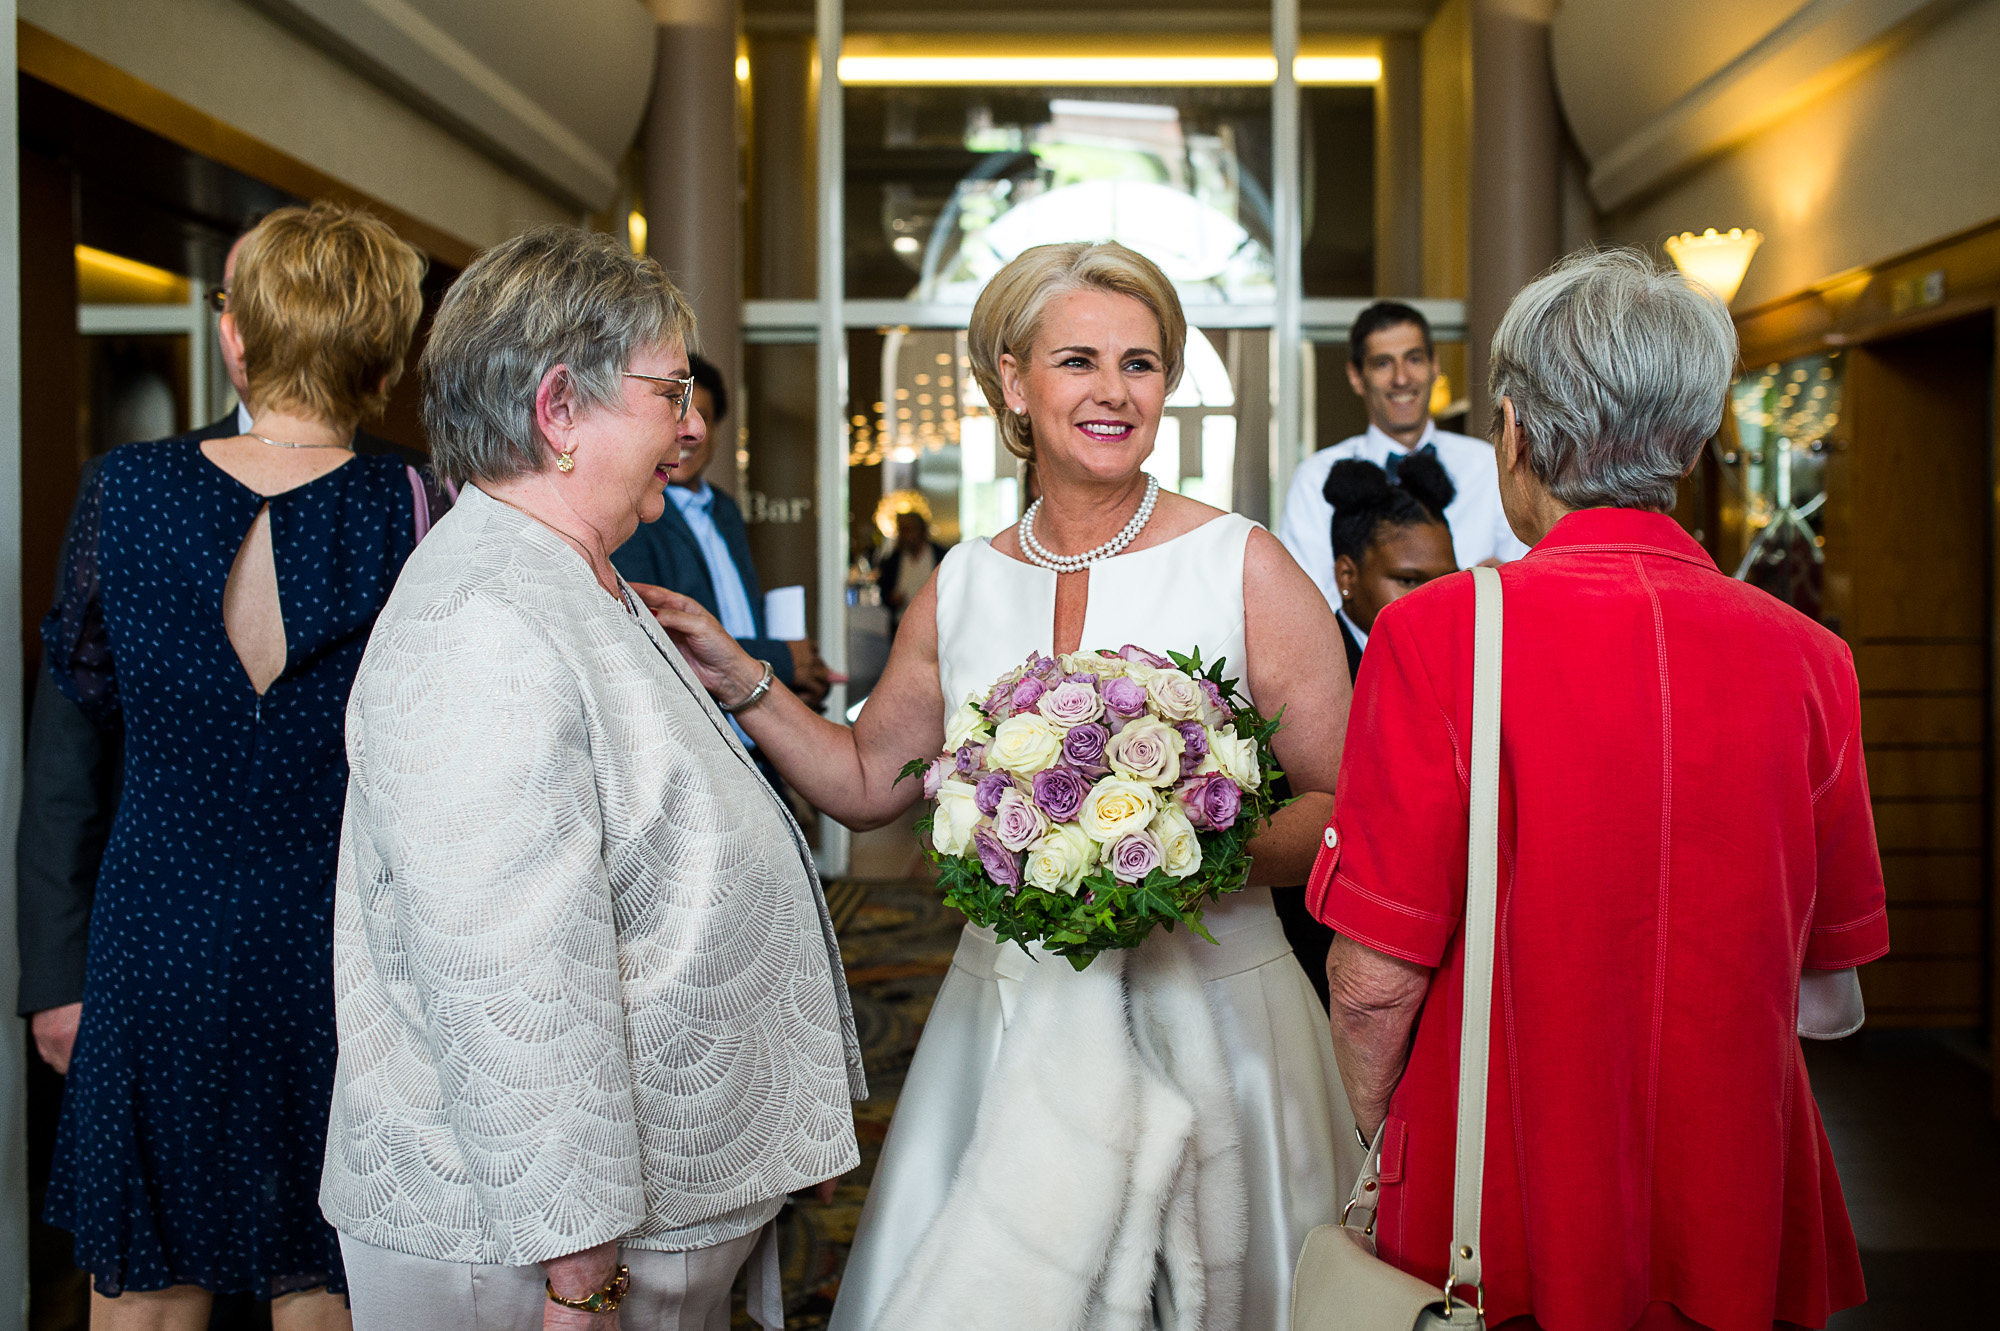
x: 1085, y: 800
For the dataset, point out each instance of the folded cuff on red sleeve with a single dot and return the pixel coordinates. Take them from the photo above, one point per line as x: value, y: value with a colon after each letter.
x: 1390, y: 927
x: 1839, y: 946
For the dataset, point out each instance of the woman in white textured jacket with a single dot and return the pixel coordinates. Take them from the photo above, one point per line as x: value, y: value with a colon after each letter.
x: 593, y: 1026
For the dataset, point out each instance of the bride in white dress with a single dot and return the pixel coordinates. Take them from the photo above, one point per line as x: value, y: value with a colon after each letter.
x: 1144, y: 1143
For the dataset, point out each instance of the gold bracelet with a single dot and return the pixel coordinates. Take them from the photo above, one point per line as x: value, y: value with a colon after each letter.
x: 605, y: 1300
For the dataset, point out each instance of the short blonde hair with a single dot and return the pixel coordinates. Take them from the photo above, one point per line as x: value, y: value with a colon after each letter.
x: 1007, y: 318
x: 326, y: 300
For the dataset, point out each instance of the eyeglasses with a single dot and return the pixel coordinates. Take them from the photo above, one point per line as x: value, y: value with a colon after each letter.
x: 683, y: 400
x: 217, y: 298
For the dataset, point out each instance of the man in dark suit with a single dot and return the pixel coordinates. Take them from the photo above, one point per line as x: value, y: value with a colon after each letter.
x: 700, y: 548
x: 70, y: 791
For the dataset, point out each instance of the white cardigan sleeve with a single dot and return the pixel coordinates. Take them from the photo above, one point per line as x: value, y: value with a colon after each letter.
x: 489, y: 921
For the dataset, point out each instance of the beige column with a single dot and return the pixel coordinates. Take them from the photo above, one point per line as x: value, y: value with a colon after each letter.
x: 1517, y: 144
x: 1399, y: 181
x: 694, y: 215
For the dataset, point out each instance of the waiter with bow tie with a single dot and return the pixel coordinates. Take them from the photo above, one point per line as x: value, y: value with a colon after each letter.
x: 1392, y: 364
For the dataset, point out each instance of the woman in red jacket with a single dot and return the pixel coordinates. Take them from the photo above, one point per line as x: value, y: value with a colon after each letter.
x: 1685, y: 835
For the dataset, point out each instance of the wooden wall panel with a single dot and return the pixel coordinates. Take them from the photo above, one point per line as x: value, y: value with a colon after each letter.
x: 1926, y: 770
x: 1934, y: 877
x: 1929, y: 825
x: 1913, y: 569
x: 1937, y: 931
x: 1907, y: 717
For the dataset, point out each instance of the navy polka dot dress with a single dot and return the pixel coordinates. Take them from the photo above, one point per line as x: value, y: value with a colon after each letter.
x: 194, y: 1119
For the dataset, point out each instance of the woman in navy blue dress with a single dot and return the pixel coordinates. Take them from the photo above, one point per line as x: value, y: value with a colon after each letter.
x: 218, y: 596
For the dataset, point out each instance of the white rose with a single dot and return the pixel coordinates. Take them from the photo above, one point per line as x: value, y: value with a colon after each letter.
x: 1058, y: 861
x: 1180, y: 847
x: 1234, y: 758
x: 952, y: 823
x: 1024, y: 745
x: 1174, y: 695
x: 1090, y: 663
x: 966, y: 726
x: 1114, y: 807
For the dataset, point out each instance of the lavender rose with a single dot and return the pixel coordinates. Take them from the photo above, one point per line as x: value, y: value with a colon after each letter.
x: 1027, y: 693
x: 1196, y: 740
x: 1002, y: 865
x: 1071, y: 704
x: 1140, y: 656
x: 986, y: 794
x: 1212, y: 802
x: 1147, y: 751
x: 1132, y: 856
x: 1217, y: 712
x: 1059, y: 792
x: 1017, y: 823
x: 934, y: 778
x: 969, y: 757
x: 1003, y: 692
x: 1126, y: 697
x: 1083, y: 747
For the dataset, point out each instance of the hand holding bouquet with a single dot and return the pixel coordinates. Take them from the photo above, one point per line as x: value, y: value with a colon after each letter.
x: 1085, y: 800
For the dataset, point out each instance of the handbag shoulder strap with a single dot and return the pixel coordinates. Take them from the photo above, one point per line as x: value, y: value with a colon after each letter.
x: 1482, y: 872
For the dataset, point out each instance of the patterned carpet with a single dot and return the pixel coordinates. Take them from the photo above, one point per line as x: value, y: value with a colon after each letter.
x: 897, y: 940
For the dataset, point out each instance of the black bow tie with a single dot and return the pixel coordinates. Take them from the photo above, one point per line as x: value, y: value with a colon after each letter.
x: 1395, y: 461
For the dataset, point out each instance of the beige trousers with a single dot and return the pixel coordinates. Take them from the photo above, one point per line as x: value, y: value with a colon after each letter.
x: 671, y: 1291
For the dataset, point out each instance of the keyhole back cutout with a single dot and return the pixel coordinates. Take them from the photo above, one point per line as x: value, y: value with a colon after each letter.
x: 251, y: 615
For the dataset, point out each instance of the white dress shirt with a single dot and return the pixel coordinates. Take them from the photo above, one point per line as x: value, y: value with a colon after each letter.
x: 1479, y: 529
x: 732, y: 599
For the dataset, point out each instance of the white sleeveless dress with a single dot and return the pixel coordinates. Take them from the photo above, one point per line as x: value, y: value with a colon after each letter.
x: 1142, y: 1144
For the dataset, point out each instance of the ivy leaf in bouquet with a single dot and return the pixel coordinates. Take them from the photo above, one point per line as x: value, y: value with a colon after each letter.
x: 1083, y: 801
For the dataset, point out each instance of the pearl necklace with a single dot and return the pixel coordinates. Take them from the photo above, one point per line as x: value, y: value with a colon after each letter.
x: 1042, y: 558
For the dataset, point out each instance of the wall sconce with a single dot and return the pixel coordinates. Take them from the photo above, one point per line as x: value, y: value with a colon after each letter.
x: 1715, y: 260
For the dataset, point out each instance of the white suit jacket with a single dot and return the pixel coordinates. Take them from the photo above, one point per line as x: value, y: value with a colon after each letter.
x: 585, y: 981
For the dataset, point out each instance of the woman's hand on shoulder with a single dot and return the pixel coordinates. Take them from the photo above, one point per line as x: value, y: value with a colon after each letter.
x: 720, y: 662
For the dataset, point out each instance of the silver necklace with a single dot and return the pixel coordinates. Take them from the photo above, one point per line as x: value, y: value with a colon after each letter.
x: 281, y: 443
x: 1043, y: 558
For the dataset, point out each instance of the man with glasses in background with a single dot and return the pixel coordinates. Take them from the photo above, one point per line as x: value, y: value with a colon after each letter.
x: 700, y: 548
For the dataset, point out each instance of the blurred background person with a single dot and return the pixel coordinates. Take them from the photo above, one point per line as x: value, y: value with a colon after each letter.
x: 1390, y: 537
x: 699, y: 547
x: 216, y: 597
x: 1392, y: 367
x: 590, y: 997
x: 73, y: 765
x: 1689, y: 870
x: 907, y: 564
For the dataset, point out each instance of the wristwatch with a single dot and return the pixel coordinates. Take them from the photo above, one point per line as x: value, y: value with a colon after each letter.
x: 605, y: 1300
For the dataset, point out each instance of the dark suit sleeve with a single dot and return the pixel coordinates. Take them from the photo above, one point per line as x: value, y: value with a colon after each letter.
x: 729, y: 522
x: 68, y: 796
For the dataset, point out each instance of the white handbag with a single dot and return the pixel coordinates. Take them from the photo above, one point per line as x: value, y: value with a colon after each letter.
x: 1340, y: 1284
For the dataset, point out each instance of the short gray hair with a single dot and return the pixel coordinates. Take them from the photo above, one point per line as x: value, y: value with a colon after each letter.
x: 556, y: 295
x: 1619, y: 373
